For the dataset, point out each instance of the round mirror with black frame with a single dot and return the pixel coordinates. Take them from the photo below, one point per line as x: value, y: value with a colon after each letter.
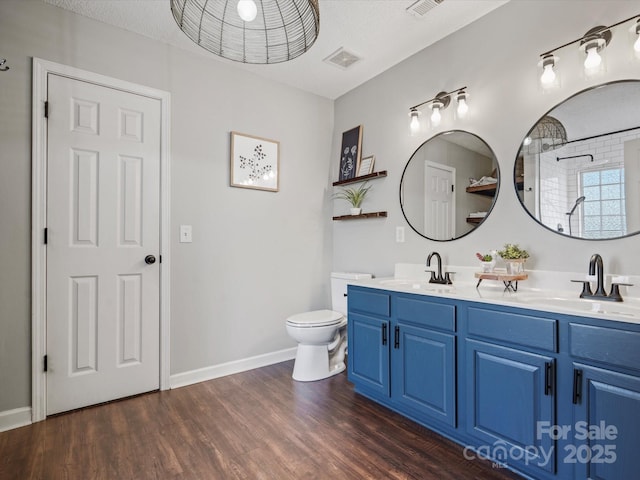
x: 449, y: 185
x: 577, y: 172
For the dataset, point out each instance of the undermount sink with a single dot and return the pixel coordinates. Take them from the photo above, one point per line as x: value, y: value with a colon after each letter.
x: 422, y: 285
x: 594, y: 306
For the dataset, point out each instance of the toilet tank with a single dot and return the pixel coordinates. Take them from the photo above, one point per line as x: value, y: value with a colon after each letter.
x: 339, y: 282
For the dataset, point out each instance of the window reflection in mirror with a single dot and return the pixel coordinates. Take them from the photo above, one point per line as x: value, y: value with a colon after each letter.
x: 449, y: 185
x: 580, y: 177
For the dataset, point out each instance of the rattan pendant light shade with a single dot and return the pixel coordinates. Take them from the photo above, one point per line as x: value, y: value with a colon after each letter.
x: 548, y: 134
x: 281, y: 31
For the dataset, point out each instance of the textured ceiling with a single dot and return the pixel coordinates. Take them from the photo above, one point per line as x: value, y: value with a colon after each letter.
x: 379, y: 31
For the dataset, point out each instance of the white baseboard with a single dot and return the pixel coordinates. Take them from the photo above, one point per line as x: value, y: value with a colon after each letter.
x: 18, y: 417
x: 229, y: 368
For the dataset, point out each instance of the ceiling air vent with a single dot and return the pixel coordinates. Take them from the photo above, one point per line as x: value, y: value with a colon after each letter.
x: 421, y: 7
x: 342, y: 58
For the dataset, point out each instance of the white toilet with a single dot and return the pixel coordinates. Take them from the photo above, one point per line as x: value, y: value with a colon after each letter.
x: 322, y: 334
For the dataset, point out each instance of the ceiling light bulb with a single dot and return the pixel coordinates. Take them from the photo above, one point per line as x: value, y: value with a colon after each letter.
x: 593, y: 59
x: 548, y: 75
x: 463, y: 108
x: 527, y: 141
x: 414, y: 125
x: 435, y: 115
x: 247, y: 10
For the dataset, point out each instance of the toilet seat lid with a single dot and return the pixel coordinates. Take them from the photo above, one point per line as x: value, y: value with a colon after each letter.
x: 315, y: 318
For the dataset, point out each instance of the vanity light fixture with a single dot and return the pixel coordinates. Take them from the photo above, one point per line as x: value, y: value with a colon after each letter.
x: 250, y: 31
x: 636, y: 30
x: 414, y: 124
x: 437, y: 104
x: 592, y: 44
x: 463, y: 108
x: 548, y: 76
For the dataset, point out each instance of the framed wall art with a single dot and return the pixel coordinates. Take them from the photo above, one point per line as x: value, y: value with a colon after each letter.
x: 350, y: 153
x: 255, y: 162
x: 366, y: 165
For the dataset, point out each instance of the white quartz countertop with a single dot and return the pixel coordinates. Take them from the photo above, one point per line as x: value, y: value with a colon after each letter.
x: 494, y: 292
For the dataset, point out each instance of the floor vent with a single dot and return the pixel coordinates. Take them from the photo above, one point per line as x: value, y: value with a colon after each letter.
x: 342, y: 58
x: 421, y: 7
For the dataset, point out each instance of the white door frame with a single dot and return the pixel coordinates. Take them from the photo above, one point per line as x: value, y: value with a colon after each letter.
x: 41, y: 69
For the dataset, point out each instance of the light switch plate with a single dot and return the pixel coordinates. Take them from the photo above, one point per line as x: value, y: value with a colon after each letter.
x: 186, y: 234
x: 399, y: 234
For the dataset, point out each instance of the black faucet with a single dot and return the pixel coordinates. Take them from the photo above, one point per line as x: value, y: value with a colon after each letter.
x: 596, y: 267
x: 438, y: 278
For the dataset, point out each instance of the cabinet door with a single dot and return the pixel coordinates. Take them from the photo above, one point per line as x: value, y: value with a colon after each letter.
x: 509, y: 392
x: 606, y: 429
x: 369, y: 352
x: 423, y: 371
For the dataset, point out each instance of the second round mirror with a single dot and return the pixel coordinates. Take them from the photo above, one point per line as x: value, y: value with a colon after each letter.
x: 449, y: 185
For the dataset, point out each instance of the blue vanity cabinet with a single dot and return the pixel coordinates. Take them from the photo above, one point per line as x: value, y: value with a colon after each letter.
x: 423, y: 358
x: 510, y: 385
x: 606, y: 402
x: 368, y: 333
x: 402, y: 353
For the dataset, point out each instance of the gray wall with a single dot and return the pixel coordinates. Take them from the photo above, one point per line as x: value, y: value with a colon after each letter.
x: 256, y: 256
x: 496, y: 57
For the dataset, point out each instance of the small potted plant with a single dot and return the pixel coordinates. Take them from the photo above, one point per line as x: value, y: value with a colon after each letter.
x: 354, y: 196
x: 487, y: 261
x: 514, y: 258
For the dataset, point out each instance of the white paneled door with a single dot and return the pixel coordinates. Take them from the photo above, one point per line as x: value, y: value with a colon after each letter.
x: 439, y: 184
x: 103, y: 225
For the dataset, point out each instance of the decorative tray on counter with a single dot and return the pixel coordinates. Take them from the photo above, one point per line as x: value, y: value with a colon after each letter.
x: 502, y: 276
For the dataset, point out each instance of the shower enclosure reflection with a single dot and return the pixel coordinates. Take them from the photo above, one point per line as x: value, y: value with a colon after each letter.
x: 578, y: 169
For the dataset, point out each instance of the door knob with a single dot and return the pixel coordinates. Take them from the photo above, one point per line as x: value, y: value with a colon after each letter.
x: 149, y: 259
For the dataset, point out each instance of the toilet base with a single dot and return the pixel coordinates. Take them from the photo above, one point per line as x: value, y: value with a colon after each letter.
x: 313, y: 362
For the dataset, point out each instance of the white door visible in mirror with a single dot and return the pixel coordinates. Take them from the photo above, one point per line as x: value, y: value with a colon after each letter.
x: 449, y: 185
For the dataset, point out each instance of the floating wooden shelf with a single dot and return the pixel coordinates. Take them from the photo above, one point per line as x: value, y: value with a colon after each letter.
x: 475, y: 220
x: 382, y: 173
x: 488, y: 190
x: 362, y: 215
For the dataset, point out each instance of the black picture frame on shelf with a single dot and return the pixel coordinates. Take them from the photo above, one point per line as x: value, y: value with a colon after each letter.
x: 350, y: 153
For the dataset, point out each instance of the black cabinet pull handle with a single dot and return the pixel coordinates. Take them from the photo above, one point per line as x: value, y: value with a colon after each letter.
x: 396, y: 340
x: 577, y: 386
x: 548, y: 378
x: 384, y: 333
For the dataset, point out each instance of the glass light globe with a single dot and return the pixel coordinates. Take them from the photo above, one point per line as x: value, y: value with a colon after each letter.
x: 548, y: 75
x: 463, y: 108
x: 415, y: 122
x: 593, y: 59
x: 247, y: 10
x: 436, y: 116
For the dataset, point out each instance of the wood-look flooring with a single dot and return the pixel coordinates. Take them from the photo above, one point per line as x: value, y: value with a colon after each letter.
x: 254, y: 425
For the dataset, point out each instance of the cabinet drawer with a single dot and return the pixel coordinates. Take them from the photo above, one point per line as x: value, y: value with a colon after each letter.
x: 606, y: 345
x: 425, y: 313
x: 514, y: 328
x: 368, y: 302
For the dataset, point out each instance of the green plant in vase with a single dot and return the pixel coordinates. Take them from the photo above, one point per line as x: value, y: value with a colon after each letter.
x: 514, y: 258
x: 355, y: 196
